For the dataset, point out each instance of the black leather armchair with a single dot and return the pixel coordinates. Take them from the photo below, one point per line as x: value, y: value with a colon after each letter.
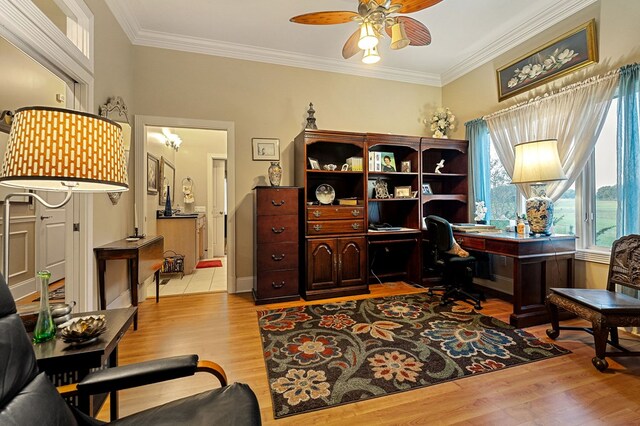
x: 27, y: 397
x: 456, y: 270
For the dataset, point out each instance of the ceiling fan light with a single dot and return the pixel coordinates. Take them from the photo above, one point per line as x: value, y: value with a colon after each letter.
x: 368, y: 37
x: 398, y: 36
x: 371, y: 56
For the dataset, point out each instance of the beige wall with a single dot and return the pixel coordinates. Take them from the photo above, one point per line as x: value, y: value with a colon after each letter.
x: 270, y: 101
x: 475, y: 94
x: 113, y: 77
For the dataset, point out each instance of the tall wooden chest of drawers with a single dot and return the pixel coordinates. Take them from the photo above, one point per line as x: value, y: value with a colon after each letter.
x: 277, y: 248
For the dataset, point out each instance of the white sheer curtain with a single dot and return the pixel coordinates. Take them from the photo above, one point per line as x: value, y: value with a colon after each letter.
x: 574, y: 116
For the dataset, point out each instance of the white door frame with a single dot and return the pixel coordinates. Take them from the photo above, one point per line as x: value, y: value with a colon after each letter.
x: 24, y: 24
x: 143, y: 121
x: 210, y: 158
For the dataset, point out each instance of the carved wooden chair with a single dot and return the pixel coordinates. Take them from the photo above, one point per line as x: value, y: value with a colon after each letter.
x: 606, y: 309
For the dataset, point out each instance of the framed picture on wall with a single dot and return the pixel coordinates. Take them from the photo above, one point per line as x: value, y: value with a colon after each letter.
x: 168, y: 180
x: 266, y: 149
x: 153, y: 169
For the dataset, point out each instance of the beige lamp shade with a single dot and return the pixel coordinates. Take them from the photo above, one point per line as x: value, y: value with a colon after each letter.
x: 399, y: 38
x: 370, y: 56
x: 368, y: 37
x: 55, y: 149
x: 537, y: 161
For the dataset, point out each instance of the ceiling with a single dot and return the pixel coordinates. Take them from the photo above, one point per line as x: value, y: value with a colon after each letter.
x: 465, y: 33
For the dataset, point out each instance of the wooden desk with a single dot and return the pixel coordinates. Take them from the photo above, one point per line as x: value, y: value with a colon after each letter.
x: 144, y: 258
x: 66, y: 364
x: 539, y: 263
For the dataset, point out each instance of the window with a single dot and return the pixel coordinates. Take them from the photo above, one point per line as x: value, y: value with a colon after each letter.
x: 504, y: 195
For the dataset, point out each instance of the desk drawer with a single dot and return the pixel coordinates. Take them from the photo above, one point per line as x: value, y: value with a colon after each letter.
x: 277, y: 229
x: 277, y: 201
x: 335, y: 227
x: 334, y: 212
x: 471, y: 243
x: 277, y: 256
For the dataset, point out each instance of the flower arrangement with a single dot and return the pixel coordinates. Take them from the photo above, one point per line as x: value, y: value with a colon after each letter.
x: 530, y: 71
x: 481, y: 211
x: 441, y: 122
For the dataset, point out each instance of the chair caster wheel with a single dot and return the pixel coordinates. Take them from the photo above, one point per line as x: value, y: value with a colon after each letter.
x: 477, y: 307
x: 553, y: 334
x: 600, y: 364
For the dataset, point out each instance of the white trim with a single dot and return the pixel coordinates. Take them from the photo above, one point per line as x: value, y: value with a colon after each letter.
x: 23, y: 24
x: 24, y: 288
x: 244, y: 284
x: 517, y: 35
x: 594, y: 256
x: 141, y: 122
x: 122, y: 301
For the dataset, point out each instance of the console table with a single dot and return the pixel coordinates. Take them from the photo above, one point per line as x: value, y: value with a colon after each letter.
x: 66, y: 364
x: 144, y: 257
x: 539, y: 263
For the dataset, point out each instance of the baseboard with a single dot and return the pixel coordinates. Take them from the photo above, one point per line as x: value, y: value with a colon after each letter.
x: 499, y: 283
x: 24, y: 288
x: 122, y: 301
x: 244, y: 284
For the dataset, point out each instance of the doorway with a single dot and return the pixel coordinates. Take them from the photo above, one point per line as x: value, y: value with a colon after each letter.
x: 199, y: 180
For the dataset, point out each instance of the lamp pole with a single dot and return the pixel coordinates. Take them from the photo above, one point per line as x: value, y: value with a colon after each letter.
x: 6, y: 219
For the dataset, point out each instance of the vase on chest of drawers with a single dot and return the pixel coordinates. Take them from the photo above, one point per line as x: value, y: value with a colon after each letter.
x: 275, y: 173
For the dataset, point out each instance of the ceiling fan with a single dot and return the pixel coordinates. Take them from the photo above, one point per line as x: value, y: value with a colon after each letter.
x: 376, y: 17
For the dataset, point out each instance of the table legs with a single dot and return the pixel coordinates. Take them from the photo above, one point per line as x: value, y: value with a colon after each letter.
x: 133, y: 287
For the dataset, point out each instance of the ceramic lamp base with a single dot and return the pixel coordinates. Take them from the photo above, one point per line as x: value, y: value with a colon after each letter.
x: 540, y: 214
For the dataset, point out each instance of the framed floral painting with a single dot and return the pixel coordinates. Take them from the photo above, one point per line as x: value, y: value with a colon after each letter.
x: 567, y: 53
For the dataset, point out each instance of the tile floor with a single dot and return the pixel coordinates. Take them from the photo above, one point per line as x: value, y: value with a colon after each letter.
x: 205, y: 280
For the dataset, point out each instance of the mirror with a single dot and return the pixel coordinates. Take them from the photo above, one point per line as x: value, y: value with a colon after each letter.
x: 116, y: 110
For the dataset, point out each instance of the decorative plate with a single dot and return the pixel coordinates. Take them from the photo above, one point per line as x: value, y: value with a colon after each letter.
x: 83, y: 328
x: 325, y: 194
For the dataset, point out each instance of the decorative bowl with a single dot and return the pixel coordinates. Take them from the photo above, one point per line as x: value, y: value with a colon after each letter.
x: 325, y: 194
x: 82, y: 329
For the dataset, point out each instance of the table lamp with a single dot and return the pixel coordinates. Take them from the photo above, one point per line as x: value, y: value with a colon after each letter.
x: 537, y: 162
x: 54, y: 149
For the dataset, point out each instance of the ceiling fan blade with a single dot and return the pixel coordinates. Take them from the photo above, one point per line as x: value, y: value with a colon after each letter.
x: 325, y: 18
x: 409, y: 6
x: 350, y: 48
x: 417, y: 33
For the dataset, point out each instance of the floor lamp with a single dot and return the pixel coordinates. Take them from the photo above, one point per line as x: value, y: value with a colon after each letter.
x: 54, y: 149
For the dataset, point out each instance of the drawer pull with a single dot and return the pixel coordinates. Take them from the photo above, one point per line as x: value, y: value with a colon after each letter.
x: 355, y: 225
x: 317, y: 213
x: 355, y: 213
x: 277, y: 231
x: 277, y: 204
x: 277, y: 258
x: 277, y: 285
x: 317, y: 228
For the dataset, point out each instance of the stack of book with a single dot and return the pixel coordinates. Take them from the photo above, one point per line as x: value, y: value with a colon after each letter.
x: 473, y: 227
x: 355, y: 164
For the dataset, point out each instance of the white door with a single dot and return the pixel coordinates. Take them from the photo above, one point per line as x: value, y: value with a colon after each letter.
x: 51, y: 234
x: 218, y: 209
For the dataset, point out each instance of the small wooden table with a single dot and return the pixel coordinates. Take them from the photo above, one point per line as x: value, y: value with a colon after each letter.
x: 66, y: 364
x: 144, y: 257
x: 539, y: 263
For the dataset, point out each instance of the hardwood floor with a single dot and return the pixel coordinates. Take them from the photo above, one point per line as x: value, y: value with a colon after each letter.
x: 223, y: 328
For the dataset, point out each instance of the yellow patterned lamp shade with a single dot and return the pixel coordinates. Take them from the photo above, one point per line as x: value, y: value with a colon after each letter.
x: 55, y: 149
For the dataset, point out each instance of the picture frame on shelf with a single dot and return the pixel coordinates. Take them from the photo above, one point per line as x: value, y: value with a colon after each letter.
x: 153, y: 171
x: 426, y: 189
x: 563, y: 55
x: 167, y: 178
x: 314, y: 164
x: 405, y: 166
x: 265, y: 149
x: 388, y: 162
x: 402, y: 192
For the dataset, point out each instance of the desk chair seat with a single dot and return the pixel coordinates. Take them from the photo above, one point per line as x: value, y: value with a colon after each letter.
x: 27, y: 397
x: 457, y: 271
x: 605, y: 309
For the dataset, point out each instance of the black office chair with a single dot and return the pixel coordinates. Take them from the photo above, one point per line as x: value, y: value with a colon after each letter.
x: 457, y: 271
x: 29, y: 398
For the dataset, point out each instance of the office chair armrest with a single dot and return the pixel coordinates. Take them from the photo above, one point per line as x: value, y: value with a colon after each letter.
x: 143, y: 373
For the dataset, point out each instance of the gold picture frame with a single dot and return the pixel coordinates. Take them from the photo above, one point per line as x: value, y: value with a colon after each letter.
x: 402, y: 192
x: 569, y: 52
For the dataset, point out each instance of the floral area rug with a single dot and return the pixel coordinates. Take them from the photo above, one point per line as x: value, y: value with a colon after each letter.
x: 319, y: 356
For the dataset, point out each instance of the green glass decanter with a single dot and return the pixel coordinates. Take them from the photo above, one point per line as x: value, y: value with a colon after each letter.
x: 45, y: 329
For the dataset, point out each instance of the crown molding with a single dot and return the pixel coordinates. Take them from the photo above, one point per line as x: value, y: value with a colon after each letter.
x: 534, y: 26
x: 123, y: 13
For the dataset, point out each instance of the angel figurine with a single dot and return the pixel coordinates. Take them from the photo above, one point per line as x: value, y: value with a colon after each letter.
x: 439, y: 166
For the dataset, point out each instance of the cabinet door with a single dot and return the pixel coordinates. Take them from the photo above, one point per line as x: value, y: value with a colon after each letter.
x: 352, y: 264
x: 322, y: 264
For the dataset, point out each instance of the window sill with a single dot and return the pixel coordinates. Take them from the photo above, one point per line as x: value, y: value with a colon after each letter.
x: 595, y: 256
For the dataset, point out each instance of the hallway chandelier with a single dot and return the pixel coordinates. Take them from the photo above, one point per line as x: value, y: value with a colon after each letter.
x: 171, y: 139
